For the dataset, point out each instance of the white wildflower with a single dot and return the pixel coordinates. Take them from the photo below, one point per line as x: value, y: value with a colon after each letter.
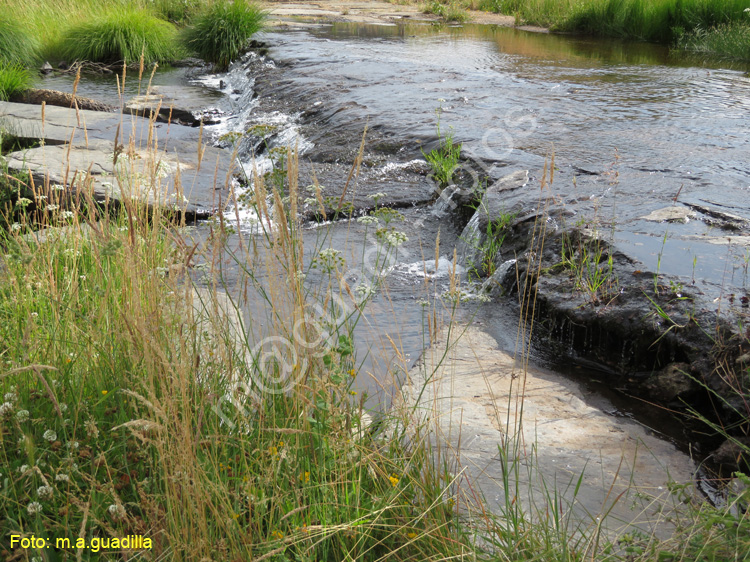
x: 34, y: 314
x: 376, y: 196
x: 50, y: 435
x: 44, y: 492
x: 51, y: 208
x: 68, y: 214
x: 395, y: 238
x: 10, y: 397
x: 58, y: 187
x: 41, y: 197
x: 116, y: 511
x: 23, y: 202
x: 62, y: 477
x: 34, y: 507
x: 368, y: 219
x: 6, y: 408
x: 15, y: 227
x: 24, y: 468
x: 22, y: 415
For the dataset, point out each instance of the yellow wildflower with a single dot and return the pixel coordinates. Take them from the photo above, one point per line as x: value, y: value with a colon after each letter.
x: 394, y: 480
x: 105, y: 392
x: 277, y: 535
x: 411, y: 535
x: 305, y: 477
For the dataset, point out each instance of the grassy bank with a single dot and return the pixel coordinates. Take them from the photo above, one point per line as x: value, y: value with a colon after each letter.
x: 715, y: 27
x: 120, y: 30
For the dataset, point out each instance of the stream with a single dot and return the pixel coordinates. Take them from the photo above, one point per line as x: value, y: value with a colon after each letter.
x: 632, y: 131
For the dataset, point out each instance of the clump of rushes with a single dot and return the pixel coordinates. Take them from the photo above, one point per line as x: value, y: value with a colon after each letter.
x: 14, y: 79
x: 16, y: 46
x: 731, y: 41
x: 122, y: 34
x: 221, y: 32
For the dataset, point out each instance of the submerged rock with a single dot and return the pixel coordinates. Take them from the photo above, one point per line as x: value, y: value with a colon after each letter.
x: 671, y: 214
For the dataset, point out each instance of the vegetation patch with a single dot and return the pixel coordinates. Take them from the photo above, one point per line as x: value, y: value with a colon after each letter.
x: 731, y: 41
x: 651, y: 20
x: 220, y: 33
x: 14, y: 79
x: 17, y: 46
x: 123, y: 34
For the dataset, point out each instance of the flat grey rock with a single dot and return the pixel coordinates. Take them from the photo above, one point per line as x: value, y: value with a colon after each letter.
x: 159, y: 164
x: 486, y: 412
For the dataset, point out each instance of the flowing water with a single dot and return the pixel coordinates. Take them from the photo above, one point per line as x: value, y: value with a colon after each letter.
x: 632, y: 131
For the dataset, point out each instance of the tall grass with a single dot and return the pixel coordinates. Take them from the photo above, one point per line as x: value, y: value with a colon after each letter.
x: 123, y: 34
x: 731, y: 40
x: 652, y: 20
x: 17, y: 46
x: 221, y: 32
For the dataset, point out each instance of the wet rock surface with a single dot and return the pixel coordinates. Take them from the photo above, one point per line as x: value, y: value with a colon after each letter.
x: 489, y: 413
x: 159, y: 164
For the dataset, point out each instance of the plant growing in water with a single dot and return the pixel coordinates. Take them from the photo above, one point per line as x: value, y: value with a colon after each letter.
x: 443, y: 159
x: 221, y: 32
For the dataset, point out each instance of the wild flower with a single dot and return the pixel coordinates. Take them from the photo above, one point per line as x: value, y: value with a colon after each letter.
x: 23, y: 468
x: 23, y: 202
x: 44, y: 492
x: 305, y: 477
x: 10, y: 397
x: 15, y: 227
x: 51, y: 208
x: 6, y: 408
x: 395, y: 238
x: 41, y: 197
x: 68, y: 214
x: 62, y: 477
x: 34, y: 314
x: 393, y: 479
x: 91, y: 429
x: 367, y: 220
x: 34, y: 508
x: 377, y: 196
x: 50, y: 435
x: 22, y: 415
x: 116, y: 511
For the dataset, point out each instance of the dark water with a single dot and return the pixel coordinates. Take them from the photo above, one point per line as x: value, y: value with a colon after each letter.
x: 633, y: 125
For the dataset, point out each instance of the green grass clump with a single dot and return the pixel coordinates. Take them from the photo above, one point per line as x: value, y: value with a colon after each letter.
x: 220, y: 33
x: 650, y: 20
x: 14, y: 79
x: 731, y: 41
x: 16, y: 45
x: 122, y: 34
x: 450, y: 12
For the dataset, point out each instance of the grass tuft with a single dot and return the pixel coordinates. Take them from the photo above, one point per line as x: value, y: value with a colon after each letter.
x: 14, y: 79
x: 731, y: 41
x: 16, y: 45
x: 121, y: 35
x: 221, y: 32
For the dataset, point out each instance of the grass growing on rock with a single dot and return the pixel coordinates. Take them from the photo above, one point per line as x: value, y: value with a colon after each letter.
x: 219, y: 33
x: 123, y: 34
